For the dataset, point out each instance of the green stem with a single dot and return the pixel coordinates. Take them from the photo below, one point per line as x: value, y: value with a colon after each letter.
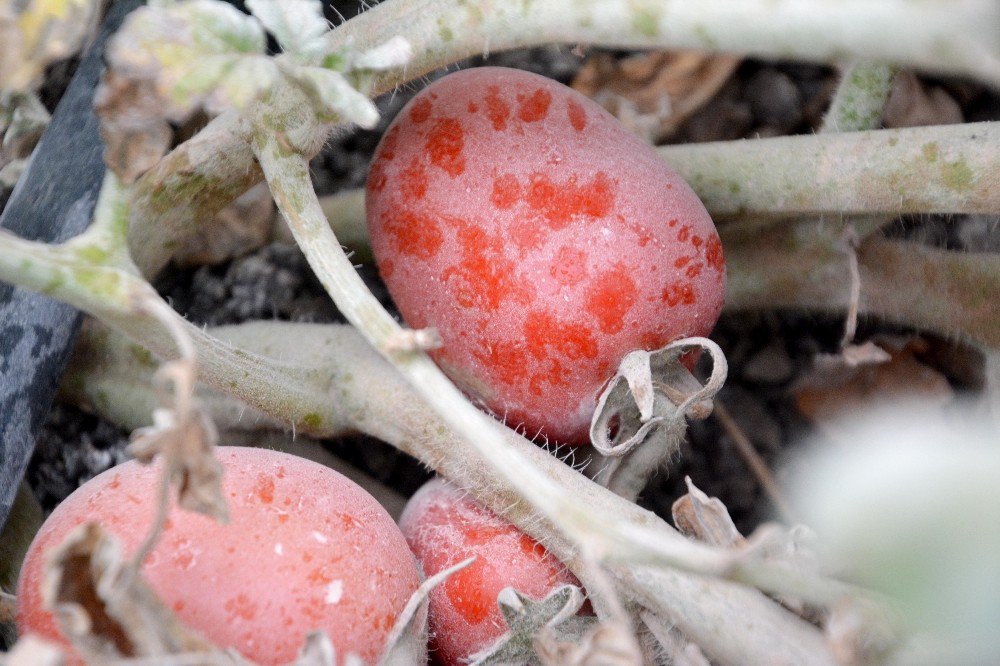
x: 862, y: 94
x: 802, y: 266
x: 93, y: 273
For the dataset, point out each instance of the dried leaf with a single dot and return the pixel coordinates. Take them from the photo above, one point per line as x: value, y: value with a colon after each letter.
x: 182, y: 434
x: 36, y: 33
x: 165, y: 63
x: 334, y: 97
x: 104, y: 606
x: 883, y: 370
x: 240, y: 228
x: 705, y: 518
x: 652, y: 94
x: 912, y: 104
x: 33, y: 651
x: 526, y: 618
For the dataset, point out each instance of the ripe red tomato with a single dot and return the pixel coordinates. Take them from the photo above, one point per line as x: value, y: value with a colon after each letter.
x: 541, y: 240
x: 444, y: 526
x: 306, y: 549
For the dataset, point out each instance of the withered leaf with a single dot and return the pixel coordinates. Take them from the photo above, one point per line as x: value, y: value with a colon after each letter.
x: 652, y: 94
x: 705, y: 518
x: 105, y: 607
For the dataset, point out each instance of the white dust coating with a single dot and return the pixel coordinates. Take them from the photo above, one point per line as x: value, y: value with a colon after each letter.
x: 334, y: 591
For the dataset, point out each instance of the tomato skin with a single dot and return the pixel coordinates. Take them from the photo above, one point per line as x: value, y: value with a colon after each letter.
x: 542, y: 241
x: 444, y: 526
x: 306, y: 549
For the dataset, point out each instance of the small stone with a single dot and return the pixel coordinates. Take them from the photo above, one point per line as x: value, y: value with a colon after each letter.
x: 775, y: 100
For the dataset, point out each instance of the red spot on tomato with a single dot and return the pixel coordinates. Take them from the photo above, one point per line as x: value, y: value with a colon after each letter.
x: 543, y: 331
x: 445, y: 142
x: 377, y: 177
x: 464, y: 590
x: 496, y: 108
x: 472, y: 107
x: 535, y: 107
x: 264, y: 488
x: 506, y: 191
x: 386, y: 268
x: 713, y: 253
x: 532, y: 548
x: 486, y: 278
x: 387, y: 150
x: 241, y: 606
x: 560, y: 202
x: 694, y: 270
x: 414, y: 234
x: 682, y: 262
x: 672, y: 223
x: 577, y: 116
x: 696, y: 241
x: 684, y: 233
x: 570, y: 265
x: 507, y: 360
x: 610, y: 297
x: 413, y: 183
x: 678, y: 293
x: 421, y: 110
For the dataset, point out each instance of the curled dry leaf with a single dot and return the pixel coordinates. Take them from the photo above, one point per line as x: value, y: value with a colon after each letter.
x: 165, y: 63
x: 640, y: 417
x: 885, y: 369
x: 705, y: 518
x: 104, y: 607
x: 31, y: 650
x: 652, y: 94
x: 240, y: 228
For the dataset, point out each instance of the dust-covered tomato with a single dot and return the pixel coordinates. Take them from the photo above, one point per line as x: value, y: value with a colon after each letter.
x: 541, y: 240
x: 306, y: 549
x: 444, y: 526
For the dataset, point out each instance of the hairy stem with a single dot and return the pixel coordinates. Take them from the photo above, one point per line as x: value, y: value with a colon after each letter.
x: 862, y: 94
x: 956, y: 36
x: 801, y: 266
x: 733, y: 623
x: 93, y: 273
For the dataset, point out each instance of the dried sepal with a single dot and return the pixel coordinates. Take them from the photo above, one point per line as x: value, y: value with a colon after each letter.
x: 673, y: 645
x: 168, y: 61
x: 182, y: 434
x: 705, y: 518
x: 407, y: 643
x: 640, y: 417
x: 333, y: 97
x: 527, y: 618
x: 318, y: 650
x: 103, y: 605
